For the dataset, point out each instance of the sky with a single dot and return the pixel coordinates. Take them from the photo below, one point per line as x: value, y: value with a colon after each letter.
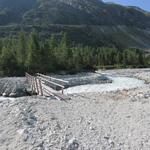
x: 144, y: 4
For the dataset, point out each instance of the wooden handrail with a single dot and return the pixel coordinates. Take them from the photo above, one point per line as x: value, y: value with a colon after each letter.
x: 52, y: 78
x: 51, y: 82
x: 39, y: 86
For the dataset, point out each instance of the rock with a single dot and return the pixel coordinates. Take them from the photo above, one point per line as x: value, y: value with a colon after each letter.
x: 111, y: 143
x: 43, y: 127
x: 146, y: 96
x: 12, y: 94
x: 25, y: 137
x: 21, y: 131
x: 40, y: 145
x: 72, y: 144
x: 92, y: 128
x: 106, y: 137
x: 4, y: 94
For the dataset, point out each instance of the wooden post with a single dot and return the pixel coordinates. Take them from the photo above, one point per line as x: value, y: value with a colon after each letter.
x: 36, y: 83
x: 62, y: 91
x: 31, y: 79
x: 40, y: 87
x: 27, y: 80
x: 33, y: 84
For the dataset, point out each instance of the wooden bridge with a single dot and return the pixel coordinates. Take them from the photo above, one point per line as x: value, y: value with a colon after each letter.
x: 47, y: 86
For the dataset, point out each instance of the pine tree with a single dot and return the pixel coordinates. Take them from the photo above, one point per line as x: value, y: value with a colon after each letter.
x: 22, y: 48
x: 52, y: 42
x: 77, y: 58
x: 141, y: 58
x: 33, y: 62
x: 52, y: 52
x: 1, y: 46
x: 47, y: 58
x: 65, y: 41
x: 64, y: 52
x: 8, y: 62
x: 118, y: 58
x: 125, y: 58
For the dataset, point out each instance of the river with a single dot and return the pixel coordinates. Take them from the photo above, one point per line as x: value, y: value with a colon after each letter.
x: 119, y: 83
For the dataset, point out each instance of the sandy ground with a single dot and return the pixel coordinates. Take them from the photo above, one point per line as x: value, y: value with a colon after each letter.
x: 117, y: 120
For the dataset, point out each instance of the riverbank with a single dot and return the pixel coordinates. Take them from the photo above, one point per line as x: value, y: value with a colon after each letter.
x: 13, y: 87
x: 111, y: 120
x: 18, y: 86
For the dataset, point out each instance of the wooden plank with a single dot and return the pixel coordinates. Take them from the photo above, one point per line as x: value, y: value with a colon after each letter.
x: 52, y: 78
x: 51, y: 94
x: 40, y: 87
x: 51, y: 82
x: 32, y: 85
x: 36, y: 83
x: 49, y: 88
x: 62, y: 91
x: 61, y: 96
x: 56, y: 94
x: 29, y: 78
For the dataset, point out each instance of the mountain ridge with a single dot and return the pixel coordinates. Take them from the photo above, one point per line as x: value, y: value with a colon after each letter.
x: 54, y: 16
x: 85, y: 12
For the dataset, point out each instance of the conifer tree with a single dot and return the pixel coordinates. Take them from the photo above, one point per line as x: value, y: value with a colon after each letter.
x: 33, y: 62
x: 125, y: 58
x: 8, y: 62
x: 22, y: 48
x: 52, y: 42
x: 64, y: 52
x: 52, y: 52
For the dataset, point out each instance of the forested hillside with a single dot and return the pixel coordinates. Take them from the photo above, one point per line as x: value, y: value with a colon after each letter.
x: 87, y: 22
x: 71, y: 35
x: 31, y: 54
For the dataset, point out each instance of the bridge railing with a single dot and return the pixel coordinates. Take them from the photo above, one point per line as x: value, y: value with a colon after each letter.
x: 36, y: 84
x: 61, y: 81
x: 45, y: 85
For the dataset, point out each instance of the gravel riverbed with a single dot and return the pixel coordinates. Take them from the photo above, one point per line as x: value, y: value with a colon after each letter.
x: 114, y: 120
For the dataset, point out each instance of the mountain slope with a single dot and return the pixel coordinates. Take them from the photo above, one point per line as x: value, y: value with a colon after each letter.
x: 85, y: 12
x: 70, y: 12
x: 12, y: 11
x: 90, y: 22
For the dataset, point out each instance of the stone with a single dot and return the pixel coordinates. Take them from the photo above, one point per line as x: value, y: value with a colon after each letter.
x: 25, y: 137
x: 72, y: 144
x: 146, y: 96
x: 92, y: 128
x: 4, y: 94
x: 12, y: 95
